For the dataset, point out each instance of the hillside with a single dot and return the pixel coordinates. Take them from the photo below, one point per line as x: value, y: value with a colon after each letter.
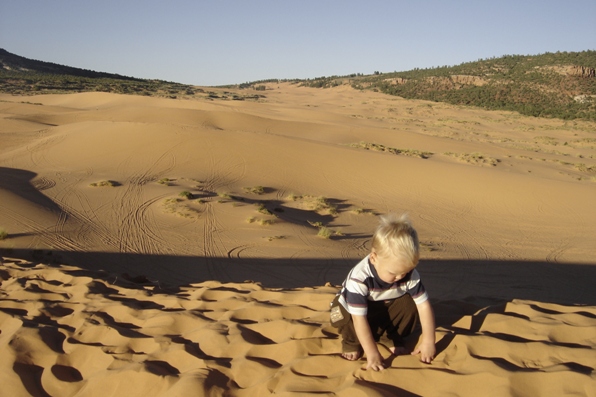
x: 19, y: 75
x: 561, y: 85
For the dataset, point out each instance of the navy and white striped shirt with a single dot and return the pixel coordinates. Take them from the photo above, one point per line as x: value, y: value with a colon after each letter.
x: 363, y: 284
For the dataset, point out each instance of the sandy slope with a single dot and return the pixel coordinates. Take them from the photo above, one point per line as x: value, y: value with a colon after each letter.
x: 504, y: 206
x: 69, y: 332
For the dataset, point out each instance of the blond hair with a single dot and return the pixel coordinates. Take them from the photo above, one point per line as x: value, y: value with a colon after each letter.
x: 395, y: 235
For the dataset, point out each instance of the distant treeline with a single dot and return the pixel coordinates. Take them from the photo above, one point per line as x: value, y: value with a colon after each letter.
x: 34, y: 83
x: 19, y: 75
x: 561, y: 85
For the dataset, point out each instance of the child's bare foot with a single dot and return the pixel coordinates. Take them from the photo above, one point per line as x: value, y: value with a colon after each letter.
x: 352, y: 356
x: 398, y: 350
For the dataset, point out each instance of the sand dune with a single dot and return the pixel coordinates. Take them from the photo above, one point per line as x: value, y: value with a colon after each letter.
x: 138, y: 220
x: 68, y: 332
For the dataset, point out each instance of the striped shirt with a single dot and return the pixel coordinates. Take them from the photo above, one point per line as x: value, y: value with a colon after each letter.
x: 363, y: 284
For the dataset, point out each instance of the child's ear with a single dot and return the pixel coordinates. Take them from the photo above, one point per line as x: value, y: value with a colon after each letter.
x: 373, y: 257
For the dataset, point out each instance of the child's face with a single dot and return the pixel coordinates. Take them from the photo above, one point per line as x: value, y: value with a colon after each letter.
x: 391, y: 268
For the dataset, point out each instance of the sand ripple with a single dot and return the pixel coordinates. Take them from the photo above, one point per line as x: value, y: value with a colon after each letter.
x: 67, y: 334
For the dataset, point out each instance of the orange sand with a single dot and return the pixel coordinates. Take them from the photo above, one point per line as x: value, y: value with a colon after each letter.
x: 113, y: 291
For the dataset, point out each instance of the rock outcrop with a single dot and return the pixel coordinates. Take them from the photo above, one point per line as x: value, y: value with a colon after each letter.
x: 583, y: 71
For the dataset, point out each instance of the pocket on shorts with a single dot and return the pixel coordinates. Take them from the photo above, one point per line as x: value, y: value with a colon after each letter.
x: 339, y: 315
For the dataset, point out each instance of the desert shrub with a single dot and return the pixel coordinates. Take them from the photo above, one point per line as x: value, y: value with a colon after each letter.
x: 186, y: 194
x: 105, y: 183
x: 325, y: 232
x: 585, y: 168
x: 382, y: 148
x: 255, y: 189
x: 547, y: 140
x: 474, y: 158
x: 321, y: 203
x: 358, y: 210
x: 262, y: 209
x: 3, y: 234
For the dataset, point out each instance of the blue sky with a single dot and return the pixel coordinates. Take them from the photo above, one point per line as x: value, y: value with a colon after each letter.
x: 225, y: 42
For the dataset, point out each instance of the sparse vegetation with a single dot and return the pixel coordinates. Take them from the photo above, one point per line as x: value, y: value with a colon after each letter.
x: 585, y: 168
x: 382, y: 148
x: 428, y: 246
x: 474, y: 158
x: 547, y: 140
x: 271, y: 238
x: 560, y: 85
x: 105, y: 183
x: 22, y: 76
x: 165, y: 181
x: 325, y: 232
x: 260, y: 221
x: 171, y: 204
x: 181, y: 207
x: 3, y: 234
x: 186, y: 194
x: 358, y: 210
x: 255, y: 190
x: 262, y: 209
x: 320, y: 204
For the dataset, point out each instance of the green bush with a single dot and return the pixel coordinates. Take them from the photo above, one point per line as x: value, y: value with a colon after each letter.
x: 186, y: 194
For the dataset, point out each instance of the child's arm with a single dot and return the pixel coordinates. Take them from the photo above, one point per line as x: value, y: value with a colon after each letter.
x: 364, y: 334
x: 426, y: 348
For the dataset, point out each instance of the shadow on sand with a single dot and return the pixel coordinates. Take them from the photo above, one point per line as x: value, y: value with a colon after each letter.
x: 458, y: 288
x: 446, y: 280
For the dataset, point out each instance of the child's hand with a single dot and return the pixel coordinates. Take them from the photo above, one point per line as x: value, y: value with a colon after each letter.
x: 375, y: 362
x: 427, y: 352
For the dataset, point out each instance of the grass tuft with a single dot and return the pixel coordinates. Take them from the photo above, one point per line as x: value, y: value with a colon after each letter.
x: 255, y: 190
x: 474, y: 158
x: 382, y: 148
x: 325, y: 232
x: 105, y: 183
x: 186, y: 194
x: 262, y: 209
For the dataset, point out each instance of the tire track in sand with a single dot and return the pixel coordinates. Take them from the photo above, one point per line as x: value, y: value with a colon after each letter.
x: 213, y: 245
x: 138, y: 231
